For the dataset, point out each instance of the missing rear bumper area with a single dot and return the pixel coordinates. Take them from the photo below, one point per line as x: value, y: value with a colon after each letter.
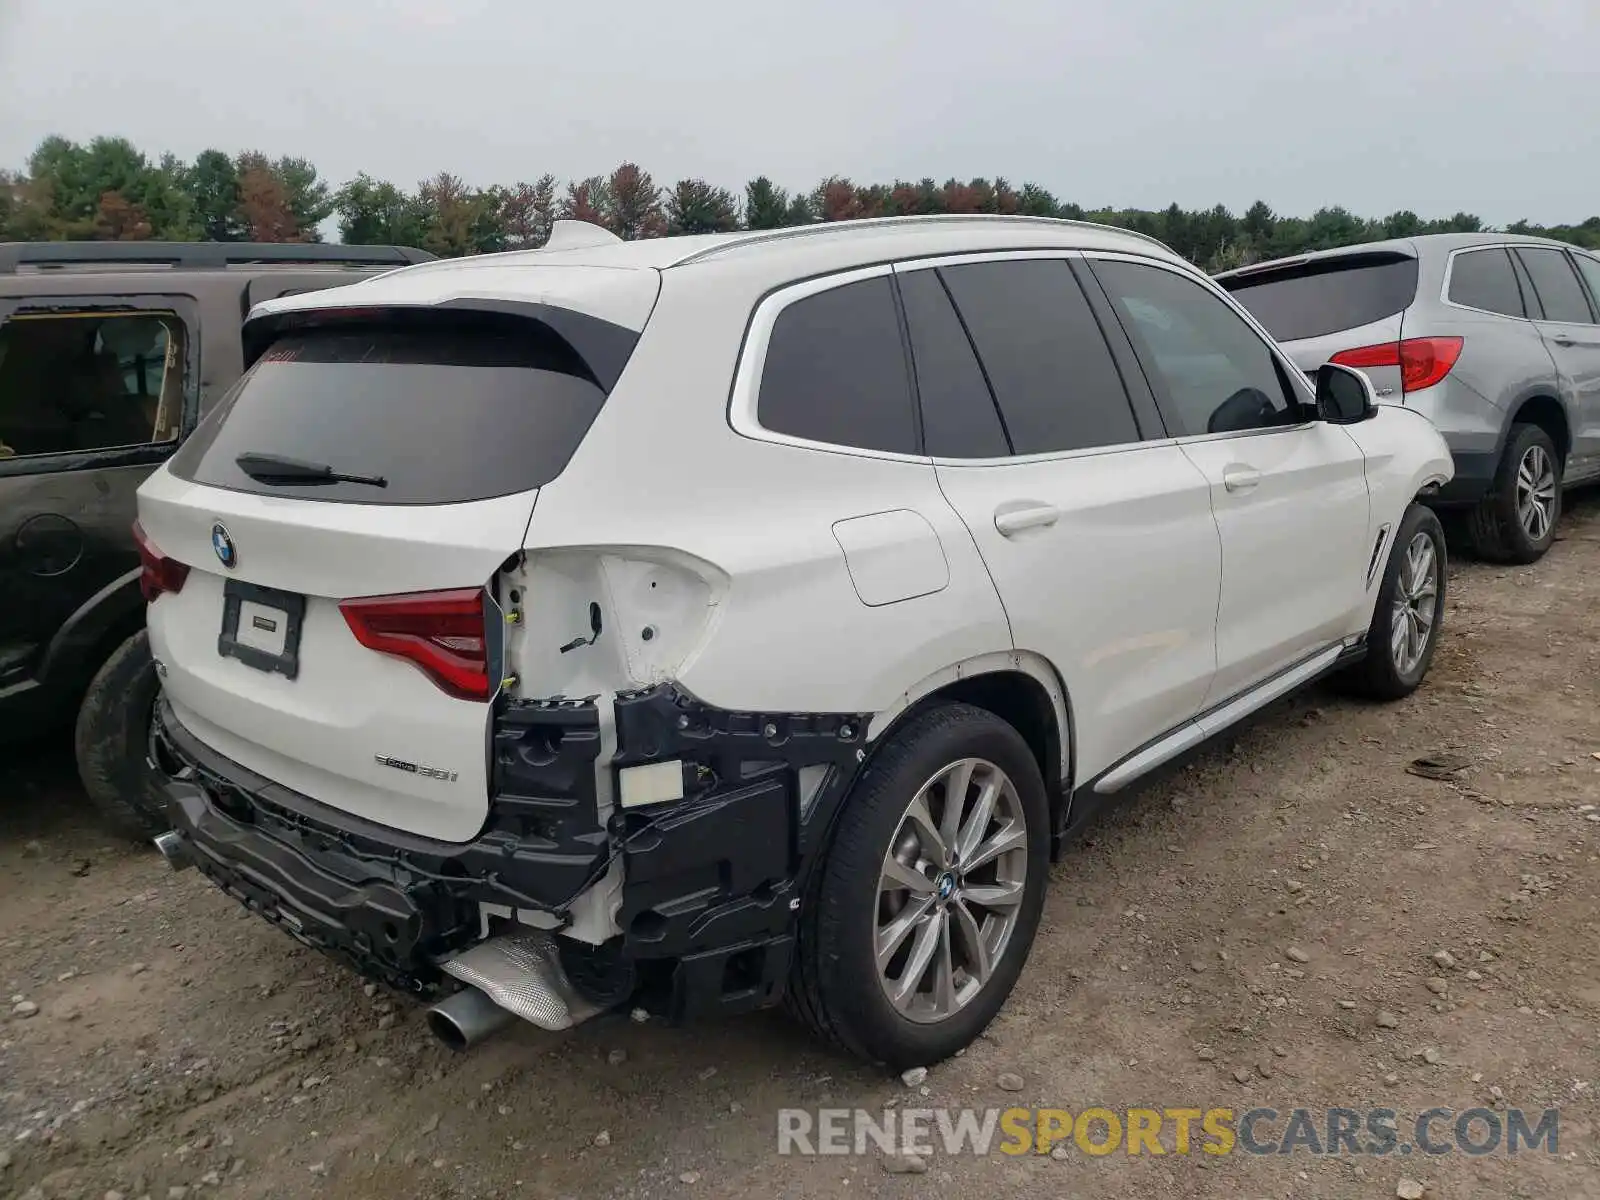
x: 713, y: 859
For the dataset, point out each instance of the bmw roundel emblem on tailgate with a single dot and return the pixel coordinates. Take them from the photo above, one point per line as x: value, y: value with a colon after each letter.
x: 223, y: 545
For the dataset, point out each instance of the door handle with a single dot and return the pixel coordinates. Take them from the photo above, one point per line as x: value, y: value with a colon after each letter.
x: 1011, y: 521
x: 1240, y: 479
x: 1563, y: 339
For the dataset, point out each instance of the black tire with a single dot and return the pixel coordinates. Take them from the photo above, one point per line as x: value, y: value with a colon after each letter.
x: 834, y: 987
x: 112, y: 742
x: 1498, y: 534
x: 1379, y: 676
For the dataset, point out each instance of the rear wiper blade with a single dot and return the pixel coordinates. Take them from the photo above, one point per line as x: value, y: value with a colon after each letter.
x: 275, y: 468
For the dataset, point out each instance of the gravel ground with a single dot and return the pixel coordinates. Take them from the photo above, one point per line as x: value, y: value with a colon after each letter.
x: 1258, y: 928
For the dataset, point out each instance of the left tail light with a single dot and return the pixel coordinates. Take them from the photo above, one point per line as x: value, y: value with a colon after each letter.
x: 443, y: 633
x: 157, y: 572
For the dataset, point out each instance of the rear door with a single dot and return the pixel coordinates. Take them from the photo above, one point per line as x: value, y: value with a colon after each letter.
x: 1316, y: 308
x: 337, y: 635
x: 1570, y: 327
x: 1094, y: 526
x: 1289, y: 492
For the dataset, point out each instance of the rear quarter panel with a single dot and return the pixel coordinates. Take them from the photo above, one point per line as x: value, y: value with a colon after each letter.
x: 1503, y: 362
x: 662, y: 473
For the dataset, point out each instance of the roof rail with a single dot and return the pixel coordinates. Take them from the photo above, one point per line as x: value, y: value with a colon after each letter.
x: 736, y: 241
x: 203, y: 255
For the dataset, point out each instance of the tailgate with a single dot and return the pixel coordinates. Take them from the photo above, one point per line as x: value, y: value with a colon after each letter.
x: 321, y: 555
x: 306, y: 704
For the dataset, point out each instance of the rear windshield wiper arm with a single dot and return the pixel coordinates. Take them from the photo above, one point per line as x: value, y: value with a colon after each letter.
x: 275, y: 468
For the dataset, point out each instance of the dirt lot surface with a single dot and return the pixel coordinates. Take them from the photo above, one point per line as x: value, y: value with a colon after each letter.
x: 1227, y: 938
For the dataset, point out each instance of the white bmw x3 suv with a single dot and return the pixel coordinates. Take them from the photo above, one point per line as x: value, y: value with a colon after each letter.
x: 704, y: 622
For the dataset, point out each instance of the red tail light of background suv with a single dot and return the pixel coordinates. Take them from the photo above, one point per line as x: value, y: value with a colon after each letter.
x: 1423, y: 362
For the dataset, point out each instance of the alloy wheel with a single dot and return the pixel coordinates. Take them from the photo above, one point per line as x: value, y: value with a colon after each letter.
x: 1536, y: 492
x: 950, y: 890
x: 1415, y: 604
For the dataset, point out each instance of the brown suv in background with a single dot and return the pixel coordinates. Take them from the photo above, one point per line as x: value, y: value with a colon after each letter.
x: 110, y: 352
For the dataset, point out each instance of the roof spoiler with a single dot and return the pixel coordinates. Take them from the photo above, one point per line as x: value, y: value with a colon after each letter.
x: 603, y: 347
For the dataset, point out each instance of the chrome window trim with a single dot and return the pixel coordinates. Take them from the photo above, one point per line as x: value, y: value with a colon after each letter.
x: 745, y: 393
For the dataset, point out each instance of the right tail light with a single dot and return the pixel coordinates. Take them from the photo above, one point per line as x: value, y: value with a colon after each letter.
x: 443, y: 633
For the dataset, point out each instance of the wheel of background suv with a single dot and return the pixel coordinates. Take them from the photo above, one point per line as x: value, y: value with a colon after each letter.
x: 1516, y: 521
x: 1410, y: 609
x: 112, y: 742
x: 917, y: 923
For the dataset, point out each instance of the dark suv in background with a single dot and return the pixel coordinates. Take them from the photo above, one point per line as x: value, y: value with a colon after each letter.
x: 1494, y: 337
x: 110, y: 352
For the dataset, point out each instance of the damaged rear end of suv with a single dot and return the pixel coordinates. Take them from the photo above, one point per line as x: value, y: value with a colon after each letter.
x: 425, y: 728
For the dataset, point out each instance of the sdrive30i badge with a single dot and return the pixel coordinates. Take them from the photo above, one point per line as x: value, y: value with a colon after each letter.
x: 400, y: 764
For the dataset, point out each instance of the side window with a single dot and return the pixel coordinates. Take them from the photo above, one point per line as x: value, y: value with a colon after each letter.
x: 959, y: 418
x: 1046, y: 359
x: 1483, y: 279
x: 1589, y: 268
x: 89, y: 381
x: 1558, y: 288
x: 1211, y: 372
x: 835, y: 371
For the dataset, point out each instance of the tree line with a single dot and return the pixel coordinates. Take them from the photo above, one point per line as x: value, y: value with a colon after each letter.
x: 109, y: 189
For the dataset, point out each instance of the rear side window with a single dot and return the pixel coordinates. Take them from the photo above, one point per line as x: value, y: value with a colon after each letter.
x: 1047, y: 361
x: 959, y: 419
x: 441, y: 413
x: 78, y: 381
x: 1312, y: 299
x: 1484, y: 279
x: 1559, y: 293
x: 835, y: 371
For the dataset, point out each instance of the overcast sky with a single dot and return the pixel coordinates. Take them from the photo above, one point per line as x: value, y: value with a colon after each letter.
x: 1432, y: 105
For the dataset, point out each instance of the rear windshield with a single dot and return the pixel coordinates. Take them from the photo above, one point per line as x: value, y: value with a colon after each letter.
x: 1311, y: 299
x: 440, y: 413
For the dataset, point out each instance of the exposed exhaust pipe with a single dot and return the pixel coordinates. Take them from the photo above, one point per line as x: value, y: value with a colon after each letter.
x: 467, y: 1018
x: 173, y: 849
x: 514, y: 975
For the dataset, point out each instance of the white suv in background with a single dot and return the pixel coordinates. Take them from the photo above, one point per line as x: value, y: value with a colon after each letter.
x: 705, y: 621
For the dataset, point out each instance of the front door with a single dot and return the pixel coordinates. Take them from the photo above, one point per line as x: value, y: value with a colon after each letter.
x: 1289, y: 493
x: 1095, y: 528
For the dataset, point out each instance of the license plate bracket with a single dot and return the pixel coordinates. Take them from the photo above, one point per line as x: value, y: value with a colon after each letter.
x: 265, y: 607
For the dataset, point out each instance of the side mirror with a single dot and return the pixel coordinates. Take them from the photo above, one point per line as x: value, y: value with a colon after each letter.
x: 1344, y: 395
